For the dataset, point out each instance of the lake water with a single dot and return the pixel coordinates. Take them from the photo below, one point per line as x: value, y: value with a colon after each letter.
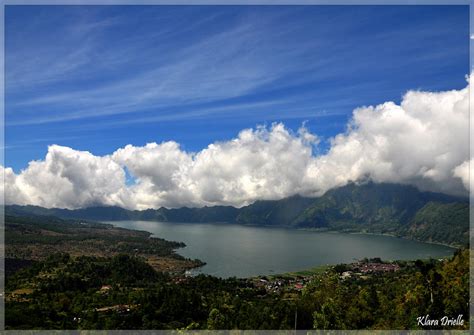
x: 243, y: 251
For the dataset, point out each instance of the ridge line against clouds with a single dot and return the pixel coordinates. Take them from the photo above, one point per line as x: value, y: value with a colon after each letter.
x: 424, y: 141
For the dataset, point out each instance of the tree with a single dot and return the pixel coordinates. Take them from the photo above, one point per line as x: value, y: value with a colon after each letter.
x: 216, y: 320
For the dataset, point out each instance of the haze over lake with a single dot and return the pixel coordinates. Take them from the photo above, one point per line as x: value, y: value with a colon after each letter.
x: 244, y: 251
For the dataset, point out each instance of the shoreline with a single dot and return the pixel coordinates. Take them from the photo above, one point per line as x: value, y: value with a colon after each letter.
x: 452, y: 246
x: 322, y: 230
x: 304, y: 269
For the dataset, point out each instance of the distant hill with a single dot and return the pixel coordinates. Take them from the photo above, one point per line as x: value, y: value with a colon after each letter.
x: 274, y: 212
x: 395, y: 209
x: 184, y: 214
x: 382, y: 208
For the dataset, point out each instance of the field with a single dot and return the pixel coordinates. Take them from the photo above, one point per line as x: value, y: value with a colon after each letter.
x: 35, y: 238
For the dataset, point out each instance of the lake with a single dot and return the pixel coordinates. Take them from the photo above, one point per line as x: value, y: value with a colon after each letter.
x: 244, y: 251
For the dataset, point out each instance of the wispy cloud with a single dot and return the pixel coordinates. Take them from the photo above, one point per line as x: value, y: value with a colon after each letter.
x: 82, y: 70
x: 222, y: 65
x: 422, y: 141
x: 65, y: 53
x: 239, y: 60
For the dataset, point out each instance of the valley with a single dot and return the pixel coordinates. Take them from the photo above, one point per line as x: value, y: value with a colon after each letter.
x: 378, y: 208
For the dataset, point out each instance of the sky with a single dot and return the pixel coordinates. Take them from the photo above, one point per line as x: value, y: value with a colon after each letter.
x: 163, y: 98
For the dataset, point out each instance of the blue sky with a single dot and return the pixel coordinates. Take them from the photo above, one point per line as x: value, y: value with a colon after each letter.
x: 99, y: 77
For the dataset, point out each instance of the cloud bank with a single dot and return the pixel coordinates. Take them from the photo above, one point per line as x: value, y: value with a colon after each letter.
x: 424, y: 141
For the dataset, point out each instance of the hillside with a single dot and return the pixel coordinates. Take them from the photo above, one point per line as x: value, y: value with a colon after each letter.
x: 124, y: 292
x: 111, y: 213
x: 274, y: 213
x: 34, y: 238
x: 400, y: 210
x: 390, y: 209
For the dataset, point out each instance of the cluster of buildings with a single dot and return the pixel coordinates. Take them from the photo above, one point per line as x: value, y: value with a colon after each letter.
x: 278, y: 284
x: 365, y: 268
x: 378, y: 267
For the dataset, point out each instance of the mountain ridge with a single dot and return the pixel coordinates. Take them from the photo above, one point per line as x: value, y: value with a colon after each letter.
x: 383, y: 208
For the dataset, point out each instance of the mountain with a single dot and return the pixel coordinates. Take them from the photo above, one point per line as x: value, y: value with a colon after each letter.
x: 204, y: 214
x: 184, y: 214
x: 435, y: 222
x: 369, y: 204
x: 274, y: 212
x: 382, y: 208
x: 394, y: 209
x: 90, y: 213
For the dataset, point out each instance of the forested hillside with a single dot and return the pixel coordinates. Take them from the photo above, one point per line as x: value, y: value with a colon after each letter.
x: 124, y: 292
x: 395, y: 209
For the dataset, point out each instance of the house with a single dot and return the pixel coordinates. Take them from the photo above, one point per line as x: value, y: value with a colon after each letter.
x: 299, y: 286
x: 346, y: 274
x: 105, y: 288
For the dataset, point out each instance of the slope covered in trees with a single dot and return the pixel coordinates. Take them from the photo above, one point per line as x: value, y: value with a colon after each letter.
x: 124, y: 292
x: 400, y: 210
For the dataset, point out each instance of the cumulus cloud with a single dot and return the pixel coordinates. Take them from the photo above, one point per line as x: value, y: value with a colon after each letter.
x: 423, y: 141
x: 258, y: 164
x: 462, y: 171
x: 419, y: 142
x: 68, y: 178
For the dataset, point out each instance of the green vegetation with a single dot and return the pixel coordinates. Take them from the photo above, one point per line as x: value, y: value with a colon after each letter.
x: 67, y: 274
x: 394, y: 209
x: 308, y: 272
x: 37, y: 237
x: 391, y: 209
x: 274, y: 213
x: 440, y: 223
x: 124, y: 292
x: 394, y: 300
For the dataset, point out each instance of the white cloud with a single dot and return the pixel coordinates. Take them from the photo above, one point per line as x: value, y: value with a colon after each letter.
x: 159, y: 171
x: 10, y: 187
x: 261, y: 163
x: 423, y: 141
x: 420, y: 141
x: 462, y: 171
x: 68, y: 178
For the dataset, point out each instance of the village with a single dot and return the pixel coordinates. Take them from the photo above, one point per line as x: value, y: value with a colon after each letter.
x: 361, y: 269
x: 277, y: 284
x: 297, y: 282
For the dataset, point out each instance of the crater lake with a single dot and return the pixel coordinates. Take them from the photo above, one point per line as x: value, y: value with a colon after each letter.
x: 244, y: 251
